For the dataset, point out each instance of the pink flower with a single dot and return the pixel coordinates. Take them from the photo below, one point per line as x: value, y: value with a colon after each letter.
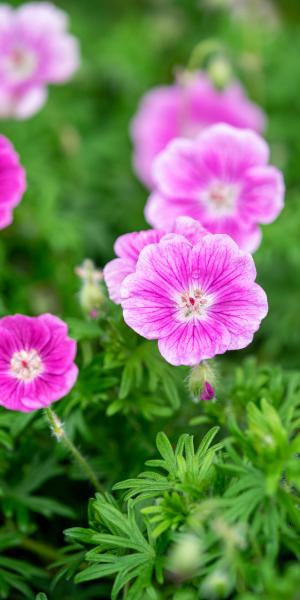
x: 36, y: 362
x: 197, y: 301
x: 184, y: 110
x: 222, y: 179
x: 128, y: 247
x: 35, y: 50
x: 12, y: 181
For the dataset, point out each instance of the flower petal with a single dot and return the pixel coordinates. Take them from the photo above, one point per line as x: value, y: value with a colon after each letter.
x: 148, y: 295
x: 194, y: 341
x: 154, y: 125
x: 241, y: 309
x: 28, y: 103
x: 114, y: 273
x: 130, y: 245
x: 262, y: 196
x: 161, y: 211
x: 218, y: 263
x: 176, y: 170
x: 29, y: 332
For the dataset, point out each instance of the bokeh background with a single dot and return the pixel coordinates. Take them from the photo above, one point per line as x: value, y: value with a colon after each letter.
x: 82, y: 191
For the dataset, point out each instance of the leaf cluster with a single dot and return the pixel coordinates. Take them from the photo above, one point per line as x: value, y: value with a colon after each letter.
x: 231, y: 505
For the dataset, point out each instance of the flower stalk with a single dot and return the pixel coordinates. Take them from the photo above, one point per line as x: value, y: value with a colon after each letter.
x: 59, y: 432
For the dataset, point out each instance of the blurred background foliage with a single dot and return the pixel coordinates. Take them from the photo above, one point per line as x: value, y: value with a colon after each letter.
x: 82, y: 193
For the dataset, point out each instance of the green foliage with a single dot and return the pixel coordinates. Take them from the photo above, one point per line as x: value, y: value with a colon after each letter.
x: 238, y: 498
x: 230, y: 505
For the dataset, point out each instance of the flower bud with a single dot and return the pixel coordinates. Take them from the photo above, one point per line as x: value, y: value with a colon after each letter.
x: 233, y: 536
x: 208, y: 392
x: 91, y: 295
x: 220, y: 72
x: 217, y: 585
x: 201, y: 382
x: 185, y: 556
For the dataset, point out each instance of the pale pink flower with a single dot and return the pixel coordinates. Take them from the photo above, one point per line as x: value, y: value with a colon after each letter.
x: 12, y: 181
x: 197, y: 301
x: 35, y: 50
x: 36, y: 361
x: 128, y: 247
x: 185, y: 109
x: 221, y: 179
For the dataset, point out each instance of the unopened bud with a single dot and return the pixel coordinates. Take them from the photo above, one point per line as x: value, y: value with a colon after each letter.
x: 217, y: 585
x: 220, y: 72
x: 91, y: 295
x: 208, y: 392
x: 201, y: 382
x: 233, y: 536
x: 185, y: 556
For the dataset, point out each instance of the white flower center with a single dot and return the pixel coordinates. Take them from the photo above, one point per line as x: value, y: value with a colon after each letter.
x: 20, y: 64
x: 193, y: 304
x: 26, y: 365
x: 221, y: 198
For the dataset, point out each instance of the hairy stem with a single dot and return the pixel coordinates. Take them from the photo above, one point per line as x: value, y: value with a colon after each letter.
x: 59, y: 432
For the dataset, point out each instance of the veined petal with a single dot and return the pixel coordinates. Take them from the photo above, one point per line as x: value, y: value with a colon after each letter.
x: 217, y: 263
x: 195, y: 341
x: 130, y: 245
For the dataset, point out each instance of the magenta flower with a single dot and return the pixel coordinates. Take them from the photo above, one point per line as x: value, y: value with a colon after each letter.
x: 36, y: 361
x: 208, y: 392
x: 128, y: 247
x: 197, y: 301
x: 221, y: 179
x: 185, y: 110
x: 35, y: 50
x: 12, y: 181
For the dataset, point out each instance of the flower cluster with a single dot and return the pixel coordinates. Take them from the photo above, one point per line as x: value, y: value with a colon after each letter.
x: 184, y: 109
x: 36, y: 355
x: 190, y: 282
x: 35, y: 50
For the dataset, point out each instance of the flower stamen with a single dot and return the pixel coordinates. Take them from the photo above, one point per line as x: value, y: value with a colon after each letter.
x: 221, y: 198
x: 20, y: 64
x: 26, y: 365
x: 192, y: 303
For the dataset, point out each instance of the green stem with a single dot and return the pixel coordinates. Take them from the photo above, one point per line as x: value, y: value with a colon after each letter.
x: 202, y: 52
x: 58, y: 430
x: 47, y: 552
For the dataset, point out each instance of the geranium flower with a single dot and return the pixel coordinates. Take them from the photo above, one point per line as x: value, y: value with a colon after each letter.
x: 36, y: 361
x: 12, y: 181
x: 128, y: 247
x: 222, y: 179
x: 35, y: 50
x: 185, y: 109
x: 197, y: 301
